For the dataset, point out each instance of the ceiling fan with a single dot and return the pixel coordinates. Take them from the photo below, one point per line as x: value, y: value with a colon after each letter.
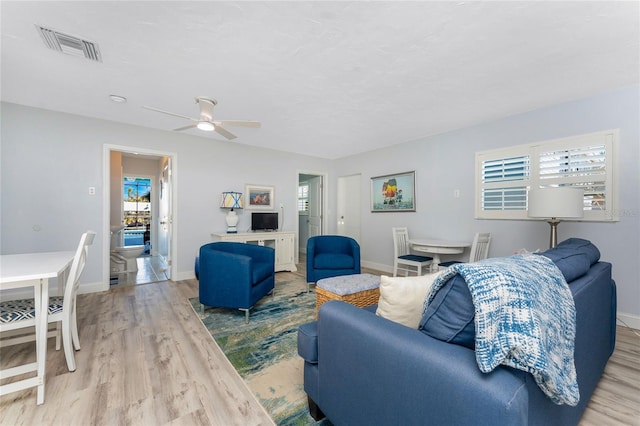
x: 206, y: 122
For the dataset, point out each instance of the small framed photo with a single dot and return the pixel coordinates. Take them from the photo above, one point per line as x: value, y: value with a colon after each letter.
x: 259, y: 197
x: 394, y: 193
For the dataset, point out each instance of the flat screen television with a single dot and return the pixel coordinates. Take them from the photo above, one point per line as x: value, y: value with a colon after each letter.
x: 264, y: 221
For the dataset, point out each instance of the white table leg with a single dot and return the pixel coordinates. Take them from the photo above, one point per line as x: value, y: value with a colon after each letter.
x: 41, y: 299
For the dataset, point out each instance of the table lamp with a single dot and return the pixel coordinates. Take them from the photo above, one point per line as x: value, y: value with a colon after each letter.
x: 555, y: 203
x: 231, y: 200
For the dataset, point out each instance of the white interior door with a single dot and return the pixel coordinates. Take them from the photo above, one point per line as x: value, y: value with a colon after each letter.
x: 164, y: 212
x: 349, y: 206
x: 315, y: 206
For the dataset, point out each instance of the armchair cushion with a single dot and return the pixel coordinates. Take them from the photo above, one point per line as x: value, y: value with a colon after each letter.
x: 333, y: 261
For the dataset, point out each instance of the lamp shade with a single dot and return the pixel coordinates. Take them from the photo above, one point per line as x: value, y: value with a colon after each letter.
x: 231, y: 200
x: 556, y: 202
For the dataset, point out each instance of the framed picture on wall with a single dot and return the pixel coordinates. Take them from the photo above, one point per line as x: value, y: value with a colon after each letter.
x: 394, y: 193
x: 259, y: 197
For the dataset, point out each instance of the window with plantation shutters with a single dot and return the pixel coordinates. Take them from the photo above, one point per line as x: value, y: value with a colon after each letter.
x: 504, y: 176
x: 303, y: 198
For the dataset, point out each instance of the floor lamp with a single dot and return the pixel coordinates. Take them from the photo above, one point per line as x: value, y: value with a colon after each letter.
x: 554, y: 204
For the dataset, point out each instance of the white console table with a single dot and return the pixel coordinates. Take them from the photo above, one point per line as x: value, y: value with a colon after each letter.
x: 282, y: 242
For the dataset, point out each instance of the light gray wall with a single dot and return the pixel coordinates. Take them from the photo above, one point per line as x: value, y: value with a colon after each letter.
x: 445, y: 162
x: 45, y: 204
x: 50, y: 159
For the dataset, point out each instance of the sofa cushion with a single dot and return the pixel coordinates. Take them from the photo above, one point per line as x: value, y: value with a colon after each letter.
x: 582, y: 246
x: 402, y: 298
x: 308, y: 342
x: 333, y: 261
x: 449, y: 317
x: 261, y: 271
x: 573, y: 264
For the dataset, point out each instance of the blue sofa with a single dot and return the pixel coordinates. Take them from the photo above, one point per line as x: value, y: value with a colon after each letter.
x: 362, y: 369
x: 331, y: 256
x: 235, y: 275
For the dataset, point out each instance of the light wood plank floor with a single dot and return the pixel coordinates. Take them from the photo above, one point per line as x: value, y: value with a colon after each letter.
x: 146, y: 359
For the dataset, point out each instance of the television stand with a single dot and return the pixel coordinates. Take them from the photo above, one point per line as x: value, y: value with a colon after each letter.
x: 282, y: 242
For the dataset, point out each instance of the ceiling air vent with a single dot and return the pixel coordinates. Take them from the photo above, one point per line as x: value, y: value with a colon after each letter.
x: 68, y: 44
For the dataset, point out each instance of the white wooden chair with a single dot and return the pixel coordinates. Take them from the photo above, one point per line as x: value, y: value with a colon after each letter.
x: 403, y: 259
x: 20, y: 314
x: 479, y: 249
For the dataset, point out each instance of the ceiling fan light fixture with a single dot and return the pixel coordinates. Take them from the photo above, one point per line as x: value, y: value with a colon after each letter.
x: 205, y: 126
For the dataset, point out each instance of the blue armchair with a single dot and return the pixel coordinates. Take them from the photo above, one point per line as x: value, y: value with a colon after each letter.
x: 235, y: 275
x: 331, y: 256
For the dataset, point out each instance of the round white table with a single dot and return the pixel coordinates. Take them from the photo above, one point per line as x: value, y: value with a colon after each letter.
x: 438, y: 247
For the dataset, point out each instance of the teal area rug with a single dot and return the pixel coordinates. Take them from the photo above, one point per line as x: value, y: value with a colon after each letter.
x: 264, y: 352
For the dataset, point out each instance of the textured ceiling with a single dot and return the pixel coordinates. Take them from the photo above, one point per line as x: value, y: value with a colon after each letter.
x: 328, y: 79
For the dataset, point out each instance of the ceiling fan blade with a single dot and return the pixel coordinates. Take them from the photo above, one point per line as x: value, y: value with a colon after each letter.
x: 190, y: 126
x: 168, y: 113
x: 238, y: 123
x: 224, y: 132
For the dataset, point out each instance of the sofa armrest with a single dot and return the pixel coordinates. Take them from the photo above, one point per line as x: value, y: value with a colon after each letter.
x: 375, y: 371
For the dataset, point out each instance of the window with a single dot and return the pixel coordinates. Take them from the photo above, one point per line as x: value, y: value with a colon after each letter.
x: 303, y: 197
x: 137, y: 202
x: 504, y: 176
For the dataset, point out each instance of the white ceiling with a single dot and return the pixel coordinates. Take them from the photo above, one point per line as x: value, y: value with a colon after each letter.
x: 328, y: 79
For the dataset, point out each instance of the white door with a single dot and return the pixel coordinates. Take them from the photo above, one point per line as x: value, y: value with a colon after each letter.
x: 315, y: 206
x: 349, y: 206
x: 164, y: 212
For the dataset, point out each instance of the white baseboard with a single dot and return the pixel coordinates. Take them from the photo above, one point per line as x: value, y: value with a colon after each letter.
x: 185, y: 275
x: 93, y: 288
x: 628, y: 320
x: 377, y: 266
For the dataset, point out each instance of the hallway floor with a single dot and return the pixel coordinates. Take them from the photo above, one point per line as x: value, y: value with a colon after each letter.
x: 150, y: 269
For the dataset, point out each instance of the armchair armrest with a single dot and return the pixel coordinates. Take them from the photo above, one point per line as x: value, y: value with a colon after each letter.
x: 225, y: 279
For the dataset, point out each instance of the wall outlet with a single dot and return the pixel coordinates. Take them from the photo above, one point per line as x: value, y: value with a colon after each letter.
x: 92, y: 190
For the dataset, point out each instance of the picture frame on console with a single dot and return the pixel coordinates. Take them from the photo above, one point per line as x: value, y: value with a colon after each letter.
x: 259, y: 197
x: 394, y: 193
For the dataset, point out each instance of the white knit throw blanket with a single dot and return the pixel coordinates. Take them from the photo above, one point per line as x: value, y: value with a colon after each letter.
x: 525, y: 318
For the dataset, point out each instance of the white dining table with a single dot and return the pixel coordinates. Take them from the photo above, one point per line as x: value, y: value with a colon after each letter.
x: 23, y: 271
x: 438, y: 247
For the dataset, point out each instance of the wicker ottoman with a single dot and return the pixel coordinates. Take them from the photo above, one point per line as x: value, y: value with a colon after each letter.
x: 359, y: 289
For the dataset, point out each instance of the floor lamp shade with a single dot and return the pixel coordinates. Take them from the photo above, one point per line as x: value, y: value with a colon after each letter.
x: 231, y: 200
x: 556, y: 203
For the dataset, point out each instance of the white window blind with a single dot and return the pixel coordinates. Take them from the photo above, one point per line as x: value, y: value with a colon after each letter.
x: 303, y: 198
x: 504, y: 176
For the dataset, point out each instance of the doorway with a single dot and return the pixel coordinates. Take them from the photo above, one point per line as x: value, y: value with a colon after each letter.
x: 150, y: 223
x: 349, y: 206
x: 311, y: 205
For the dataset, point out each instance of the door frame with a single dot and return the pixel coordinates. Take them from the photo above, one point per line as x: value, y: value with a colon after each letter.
x: 106, y: 204
x: 323, y: 212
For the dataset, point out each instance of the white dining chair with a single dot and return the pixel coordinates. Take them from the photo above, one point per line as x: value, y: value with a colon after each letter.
x: 20, y: 314
x: 403, y: 259
x: 479, y: 249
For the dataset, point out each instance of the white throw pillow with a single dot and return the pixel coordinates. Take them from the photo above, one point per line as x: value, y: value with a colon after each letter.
x: 402, y: 298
